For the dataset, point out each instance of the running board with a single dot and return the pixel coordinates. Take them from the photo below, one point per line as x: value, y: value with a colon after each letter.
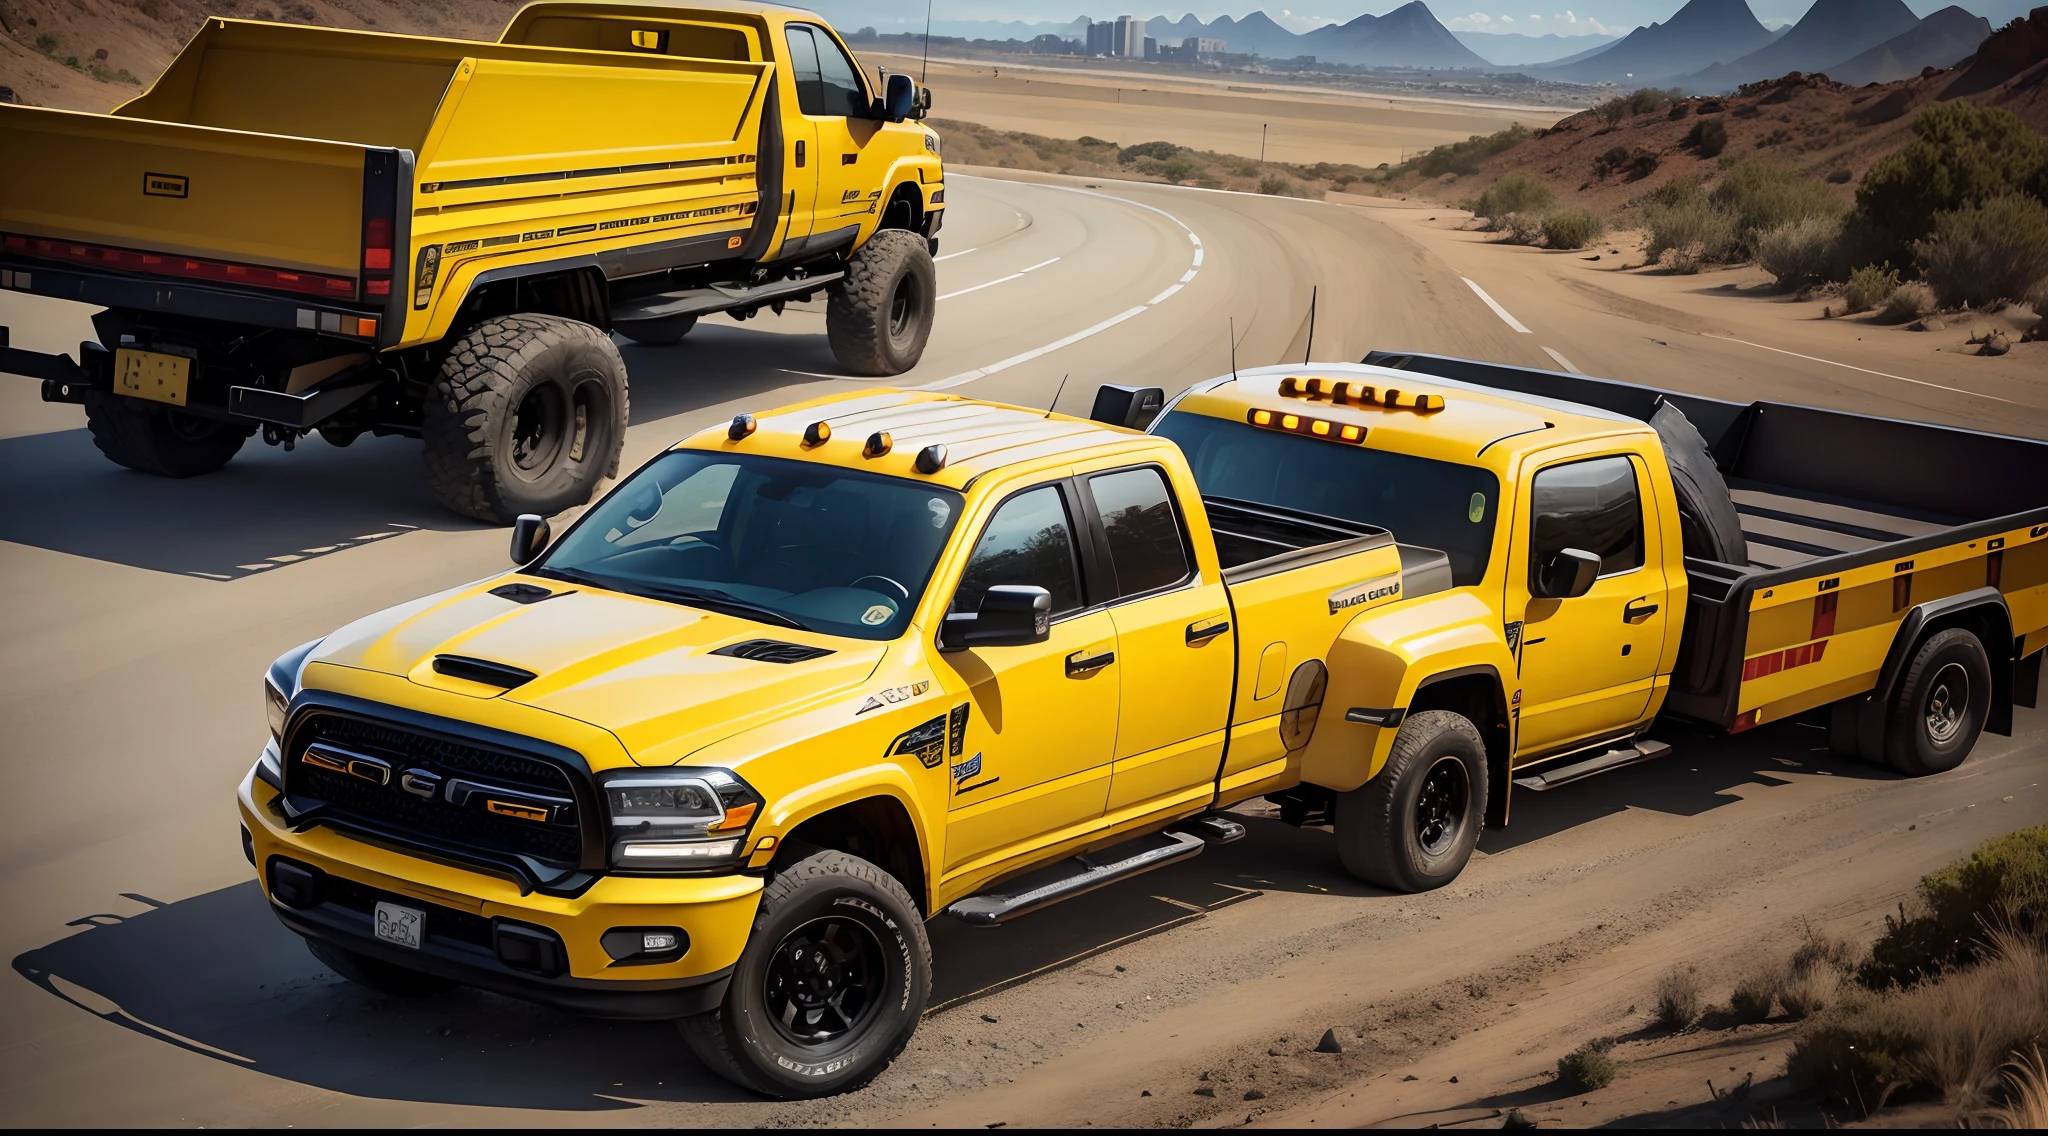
x: 1642, y: 750
x: 716, y: 298
x: 1076, y: 876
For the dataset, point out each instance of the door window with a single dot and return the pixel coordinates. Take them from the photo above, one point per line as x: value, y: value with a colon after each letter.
x: 1146, y: 551
x: 1028, y: 541
x: 826, y: 82
x: 1589, y: 505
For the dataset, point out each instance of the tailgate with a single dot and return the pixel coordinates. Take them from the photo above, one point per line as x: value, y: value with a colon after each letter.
x: 228, y: 195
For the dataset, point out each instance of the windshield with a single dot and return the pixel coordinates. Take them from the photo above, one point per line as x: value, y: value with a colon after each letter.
x: 784, y: 542
x: 1421, y: 501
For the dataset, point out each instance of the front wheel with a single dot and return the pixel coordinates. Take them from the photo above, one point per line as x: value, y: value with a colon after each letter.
x: 1943, y: 700
x: 1414, y: 825
x: 829, y: 988
x: 880, y: 315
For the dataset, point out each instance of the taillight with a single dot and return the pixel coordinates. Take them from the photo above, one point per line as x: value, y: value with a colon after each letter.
x: 380, y: 200
x: 377, y: 256
x: 186, y: 267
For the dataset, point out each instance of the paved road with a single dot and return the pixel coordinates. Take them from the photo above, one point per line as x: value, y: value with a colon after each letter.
x: 152, y: 987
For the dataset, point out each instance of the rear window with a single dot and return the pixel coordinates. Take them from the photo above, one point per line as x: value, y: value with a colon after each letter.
x: 1422, y: 501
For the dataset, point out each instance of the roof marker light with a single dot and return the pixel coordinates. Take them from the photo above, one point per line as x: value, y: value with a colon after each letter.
x: 931, y: 459
x: 878, y: 444
x: 1321, y: 428
x: 1262, y: 418
x: 817, y: 434
x: 742, y: 427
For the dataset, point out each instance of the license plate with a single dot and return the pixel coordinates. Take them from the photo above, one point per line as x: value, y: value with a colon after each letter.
x: 156, y: 377
x: 404, y: 926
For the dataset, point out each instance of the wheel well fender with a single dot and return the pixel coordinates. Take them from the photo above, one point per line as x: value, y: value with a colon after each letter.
x: 878, y: 829
x: 1476, y: 693
x: 905, y: 209
x: 1980, y: 611
x: 574, y: 288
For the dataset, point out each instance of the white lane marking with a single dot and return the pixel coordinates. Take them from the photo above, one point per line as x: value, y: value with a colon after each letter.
x: 966, y: 377
x: 951, y: 255
x: 1562, y: 361
x: 810, y: 374
x: 1004, y: 280
x: 1865, y: 370
x: 1497, y: 309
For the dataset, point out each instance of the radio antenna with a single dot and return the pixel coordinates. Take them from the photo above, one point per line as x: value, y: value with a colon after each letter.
x: 1233, y: 349
x: 1309, y: 350
x: 1056, y: 394
x: 924, y: 69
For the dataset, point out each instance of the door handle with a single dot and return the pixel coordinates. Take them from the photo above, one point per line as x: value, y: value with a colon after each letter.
x: 1200, y: 633
x: 1080, y: 663
x: 1636, y: 610
x: 799, y: 152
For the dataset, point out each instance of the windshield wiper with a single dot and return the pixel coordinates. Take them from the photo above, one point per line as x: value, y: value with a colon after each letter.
x: 702, y: 597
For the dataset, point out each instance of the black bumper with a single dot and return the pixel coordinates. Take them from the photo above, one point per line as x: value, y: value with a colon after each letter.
x: 472, y: 964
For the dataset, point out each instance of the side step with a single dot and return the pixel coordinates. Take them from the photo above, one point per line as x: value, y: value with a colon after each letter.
x: 1076, y: 876
x: 716, y: 298
x: 1642, y: 750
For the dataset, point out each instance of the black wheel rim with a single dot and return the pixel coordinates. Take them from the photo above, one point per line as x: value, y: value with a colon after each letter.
x: 539, y: 425
x: 903, y: 305
x: 825, y: 981
x: 1948, y: 701
x: 1440, y: 807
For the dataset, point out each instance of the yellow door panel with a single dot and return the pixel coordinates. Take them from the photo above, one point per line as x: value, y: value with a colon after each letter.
x: 1176, y: 694
x: 986, y: 832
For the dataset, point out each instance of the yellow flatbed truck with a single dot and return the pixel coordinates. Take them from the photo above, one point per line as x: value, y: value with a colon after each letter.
x: 300, y: 228
x: 809, y: 678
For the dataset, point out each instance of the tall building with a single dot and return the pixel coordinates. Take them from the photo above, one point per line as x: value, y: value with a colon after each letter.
x: 1130, y: 37
x: 1101, y: 39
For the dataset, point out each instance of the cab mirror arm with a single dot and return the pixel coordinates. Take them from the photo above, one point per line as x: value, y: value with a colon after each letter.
x: 1567, y: 574
x: 529, y: 538
x: 1010, y: 615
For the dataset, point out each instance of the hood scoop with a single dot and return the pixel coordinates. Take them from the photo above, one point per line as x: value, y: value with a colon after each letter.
x: 483, y: 671
x: 525, y: 593
x: 765, y: 651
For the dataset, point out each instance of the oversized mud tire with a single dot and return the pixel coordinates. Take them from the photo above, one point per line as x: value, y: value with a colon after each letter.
x: 1413, y: 826
x: 657, y: 333
x: 829, y: 988
x: 159, y: 439
x: 1942, y: 702
x: 879, y: 316
x: 378, y: 975
x: 527, y: 415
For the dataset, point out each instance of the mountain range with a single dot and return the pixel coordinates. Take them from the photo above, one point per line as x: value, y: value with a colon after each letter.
x: 1831, y: 31
x: 1408, y: 36
x: 1941, y: 40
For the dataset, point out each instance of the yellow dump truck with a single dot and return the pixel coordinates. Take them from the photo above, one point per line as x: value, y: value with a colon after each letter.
x: 303, y: 228
x: 811, y: 677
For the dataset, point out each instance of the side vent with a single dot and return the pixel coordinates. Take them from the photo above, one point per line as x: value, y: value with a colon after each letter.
x: 771, y: 651
x: 483, y: 671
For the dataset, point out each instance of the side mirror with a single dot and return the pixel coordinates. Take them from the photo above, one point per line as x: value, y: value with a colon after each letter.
x: 899, y: 97
x: 1133, y: 408
x: 924, y: 103
x: 1568, y: 574
x: 1011, y: 615
x: 529, y: 538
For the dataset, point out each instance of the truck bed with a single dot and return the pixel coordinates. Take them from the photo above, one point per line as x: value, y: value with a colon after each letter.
x: 1869, y: 515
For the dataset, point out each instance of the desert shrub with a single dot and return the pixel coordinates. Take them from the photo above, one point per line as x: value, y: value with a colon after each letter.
x: 1274, y: 185
x: 1678, y: 110
x: 1961, y: 155
x: 1159, y: 150
x: 1908, y: 301
x: 1747, y: 110
x: 1755, y: 994
x: 1589, y: 1066
x: 1519, y: 228
x: 1246, y: 169
x: 2003, y: 883
x: 1679, y: 998
x: 1798, y: 251
x: 1515, y: 193
x: 1179, y: 168
x: 1572, y: 228
x: 1635, y: 163
x: 2026, y: 1096
x: 1644, y: 100
x: 1981, y: 254
x: 1690, y: 235
x: 1464, y: 157
x: 1869, y: 286
x: 1764, y: 195
x: 1708, y: 135
x: 1813, y: 978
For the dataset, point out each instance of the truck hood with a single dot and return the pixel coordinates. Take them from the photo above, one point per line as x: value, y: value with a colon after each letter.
x: 643, y: 669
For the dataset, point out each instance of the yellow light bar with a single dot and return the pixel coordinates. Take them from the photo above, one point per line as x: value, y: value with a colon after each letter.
x: 1313, y: 427
x: 1345, y: 393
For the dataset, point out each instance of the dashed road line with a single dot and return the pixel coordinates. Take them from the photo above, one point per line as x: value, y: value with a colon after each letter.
x: 1562, y: 361
x: 1004, y: 280
x: 951, y: 255
x: 1495, y: 305
x: 1865, y: 370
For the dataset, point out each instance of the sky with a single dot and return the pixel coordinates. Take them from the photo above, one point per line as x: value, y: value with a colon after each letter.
x: 1585, y: 17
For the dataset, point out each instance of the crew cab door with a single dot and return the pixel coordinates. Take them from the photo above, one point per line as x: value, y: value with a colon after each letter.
x: 1173, y: 640
x: 1043, y: 718
x: 800, y: 99
x: 835, y: 107
x: 1588, y: 663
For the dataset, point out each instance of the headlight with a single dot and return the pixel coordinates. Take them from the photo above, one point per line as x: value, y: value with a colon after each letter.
x: 677, y: 818
x: 280, y: 684
x: 276, y: 703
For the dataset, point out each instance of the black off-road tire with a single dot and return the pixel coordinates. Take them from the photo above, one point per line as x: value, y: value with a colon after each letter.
x: 747, y: 1042
x: 879, y: 316
x: 527, y: 415
x: 1382, y: 836
x: 159, y: 439
x: 378, y: 975
x: 1943, y: 700
x: 657, y: 333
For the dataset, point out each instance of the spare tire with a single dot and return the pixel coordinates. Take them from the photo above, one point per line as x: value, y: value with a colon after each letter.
x: 1707, y: 522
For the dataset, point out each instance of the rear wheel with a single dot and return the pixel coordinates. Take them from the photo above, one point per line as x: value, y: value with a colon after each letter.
x: 1414, y: 825
x: 829, y: 988
x: 527, y: 415
x: 155, y: 438
x: 880, y: 315
x: 1943, y: 699
x: 378, y: 975
x: 657, y: 333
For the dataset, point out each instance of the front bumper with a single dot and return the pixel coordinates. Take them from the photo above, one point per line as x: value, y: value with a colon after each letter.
x: 469, y: 914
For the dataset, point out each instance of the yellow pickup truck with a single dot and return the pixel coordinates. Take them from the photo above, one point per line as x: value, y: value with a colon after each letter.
x: 300, y: 228
x: 811, y: 677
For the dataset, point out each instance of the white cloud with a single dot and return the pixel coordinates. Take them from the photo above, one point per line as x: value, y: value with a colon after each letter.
x: 1473, y: 22
x: 1507, y: 19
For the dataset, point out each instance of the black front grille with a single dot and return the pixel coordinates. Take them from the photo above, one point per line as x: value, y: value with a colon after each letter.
x: 391, y: 810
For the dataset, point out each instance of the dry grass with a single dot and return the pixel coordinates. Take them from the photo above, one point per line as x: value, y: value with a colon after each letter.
x: 1588, y: 1067
x: 1680, y: 997
x: 2026, y: 1093
x: 1755, y: 994
x: 972, y: 144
